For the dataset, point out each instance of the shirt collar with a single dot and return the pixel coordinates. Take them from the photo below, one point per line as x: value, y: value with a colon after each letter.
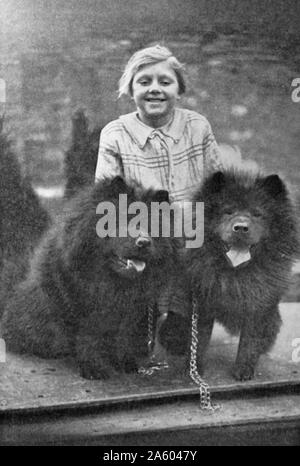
x: 141, y: 132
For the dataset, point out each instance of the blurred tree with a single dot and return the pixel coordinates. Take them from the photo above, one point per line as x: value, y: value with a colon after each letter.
x: 23, y: 219
x: 81, y: 158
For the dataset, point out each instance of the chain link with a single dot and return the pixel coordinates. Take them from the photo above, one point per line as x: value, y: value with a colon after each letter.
x: 150, y: 329
x: 153, y: 364
x: 204, y: 390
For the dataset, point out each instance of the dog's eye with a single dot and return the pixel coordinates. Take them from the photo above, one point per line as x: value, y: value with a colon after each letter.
x: 228, y: 211
x: 257, y: 213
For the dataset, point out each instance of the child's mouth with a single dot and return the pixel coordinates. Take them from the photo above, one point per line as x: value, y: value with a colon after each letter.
x: 155, y: 99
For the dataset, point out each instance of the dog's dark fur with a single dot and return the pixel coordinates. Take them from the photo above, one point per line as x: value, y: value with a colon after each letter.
x: 81, y: 158
x: 79, y: 298
x: 243, y: 211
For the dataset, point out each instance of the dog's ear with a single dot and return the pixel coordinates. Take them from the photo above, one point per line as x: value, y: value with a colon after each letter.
x: 118, y: 185
x: 217, y: 182
x: 274, y: 186
x: 79, y: 240
x: 109, y: 188
x: 161, y: 196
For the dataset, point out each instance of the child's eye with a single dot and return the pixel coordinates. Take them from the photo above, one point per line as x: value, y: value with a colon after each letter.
x: 165, y: 83
x: 143, y: 82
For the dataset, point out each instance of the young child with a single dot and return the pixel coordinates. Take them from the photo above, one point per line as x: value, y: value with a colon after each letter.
x: 158, y: 145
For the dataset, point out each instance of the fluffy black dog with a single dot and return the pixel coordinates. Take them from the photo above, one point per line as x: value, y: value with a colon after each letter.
x: 88, y: 296
x: 241, y: 272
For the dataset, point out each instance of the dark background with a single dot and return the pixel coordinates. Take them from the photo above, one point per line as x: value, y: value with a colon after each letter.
x: 241, y: 57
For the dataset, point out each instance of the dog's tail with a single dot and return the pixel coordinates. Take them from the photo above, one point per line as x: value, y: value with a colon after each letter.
x: 232, y: 158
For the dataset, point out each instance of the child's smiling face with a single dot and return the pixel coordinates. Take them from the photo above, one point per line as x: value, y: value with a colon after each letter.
x: 155, y: 90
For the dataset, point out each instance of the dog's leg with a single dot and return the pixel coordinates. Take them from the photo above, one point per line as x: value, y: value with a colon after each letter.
x: 205, y: 326
x: 131, y: 341
x: 95, y: 352
x: 258, y: 334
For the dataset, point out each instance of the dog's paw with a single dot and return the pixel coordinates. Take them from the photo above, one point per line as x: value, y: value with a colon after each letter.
x: 129, y: 364
x: 174, y: 334
x: 243, y: 372
x: 93, y: 372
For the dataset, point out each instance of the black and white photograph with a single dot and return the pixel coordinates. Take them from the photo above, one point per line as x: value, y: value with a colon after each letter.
x: 149, y: 230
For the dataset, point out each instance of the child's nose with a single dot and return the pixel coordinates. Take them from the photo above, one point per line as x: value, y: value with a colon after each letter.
x: 154, y: 86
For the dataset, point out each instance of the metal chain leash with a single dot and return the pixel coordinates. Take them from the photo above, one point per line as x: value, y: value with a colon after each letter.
x: 150, y: 329
x: 153, y: 364
x: 204, y: 390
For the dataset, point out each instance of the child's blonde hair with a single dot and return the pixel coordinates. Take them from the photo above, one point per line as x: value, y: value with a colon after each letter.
x: 150, y: 56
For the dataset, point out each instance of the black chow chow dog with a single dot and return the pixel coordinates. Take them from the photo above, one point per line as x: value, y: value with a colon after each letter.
x: 242, y: 270
x: 85, y: 295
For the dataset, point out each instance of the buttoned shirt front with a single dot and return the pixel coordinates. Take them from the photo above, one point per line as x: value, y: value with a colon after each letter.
x: 175, y: 157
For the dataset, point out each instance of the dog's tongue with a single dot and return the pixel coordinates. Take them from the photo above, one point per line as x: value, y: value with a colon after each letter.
x: 138, y: 265
x: 238, y: 256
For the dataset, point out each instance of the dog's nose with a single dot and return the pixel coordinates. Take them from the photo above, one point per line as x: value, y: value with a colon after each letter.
x: 143, y: 241
x: 240, y: 227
